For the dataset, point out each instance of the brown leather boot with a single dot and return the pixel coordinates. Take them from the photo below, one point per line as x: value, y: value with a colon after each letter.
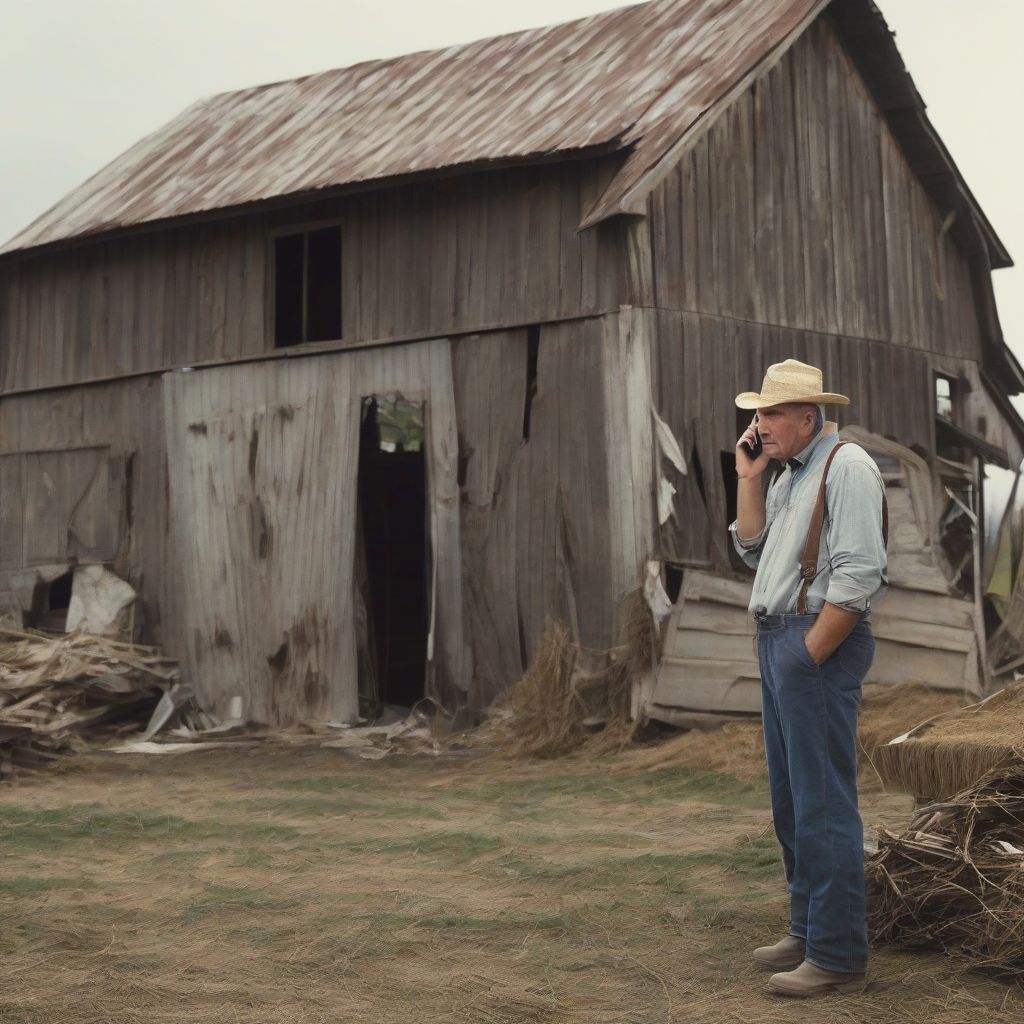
x: 789, y: 952
x: 810, y: 980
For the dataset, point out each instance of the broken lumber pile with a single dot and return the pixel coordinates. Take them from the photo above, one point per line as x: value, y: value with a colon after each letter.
x: 55, y: 689
x: 954, y: 880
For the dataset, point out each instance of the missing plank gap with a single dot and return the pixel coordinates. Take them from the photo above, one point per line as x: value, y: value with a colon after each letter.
x: 532, y: 352
x: 698, y: 474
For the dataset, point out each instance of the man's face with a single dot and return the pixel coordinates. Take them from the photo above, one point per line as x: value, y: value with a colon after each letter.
x: 786, y: 430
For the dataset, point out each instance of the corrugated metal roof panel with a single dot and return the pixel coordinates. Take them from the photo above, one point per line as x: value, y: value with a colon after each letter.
x: 647, y: 71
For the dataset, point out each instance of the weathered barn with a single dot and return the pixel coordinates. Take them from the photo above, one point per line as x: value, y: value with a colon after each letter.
x: 361, y: 379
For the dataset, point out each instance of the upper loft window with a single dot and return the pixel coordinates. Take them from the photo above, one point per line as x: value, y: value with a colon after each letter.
x: 307, y: 286
x: 945, y: 397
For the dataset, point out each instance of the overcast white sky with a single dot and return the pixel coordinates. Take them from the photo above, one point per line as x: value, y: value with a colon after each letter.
x: 84, y: 80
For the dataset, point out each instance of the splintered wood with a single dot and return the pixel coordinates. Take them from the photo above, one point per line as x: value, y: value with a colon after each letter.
x: 955, y: 879
x: 55, y: 689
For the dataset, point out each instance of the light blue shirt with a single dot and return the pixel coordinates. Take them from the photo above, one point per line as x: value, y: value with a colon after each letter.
x: 851, y: 559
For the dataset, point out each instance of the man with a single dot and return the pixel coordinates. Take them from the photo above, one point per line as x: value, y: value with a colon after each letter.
x: 812, y: 664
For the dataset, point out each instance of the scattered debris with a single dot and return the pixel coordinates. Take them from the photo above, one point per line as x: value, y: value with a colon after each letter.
x: 151, y: 747
x: 954, y: 879
x: 56, y: 689
x: 418, y: 732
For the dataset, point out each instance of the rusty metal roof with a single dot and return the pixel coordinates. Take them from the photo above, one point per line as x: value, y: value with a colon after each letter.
x: 639, y: 76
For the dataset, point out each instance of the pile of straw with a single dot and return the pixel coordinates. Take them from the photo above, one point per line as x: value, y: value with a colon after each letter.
x: 955, y: 879
x: 952, y: 751
x: 568, y: 691
x: 55, y: 689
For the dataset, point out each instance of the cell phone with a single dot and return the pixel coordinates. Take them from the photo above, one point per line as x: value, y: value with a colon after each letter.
x: 754, y: 450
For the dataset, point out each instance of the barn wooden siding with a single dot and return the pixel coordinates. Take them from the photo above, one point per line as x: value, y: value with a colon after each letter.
x: 795, y: 228
x: 798, y: 209
x: 263, y: 463
x: 481, y: 251
x: 556, y: 526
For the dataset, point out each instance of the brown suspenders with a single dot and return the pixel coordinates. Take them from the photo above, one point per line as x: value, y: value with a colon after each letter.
x: 809, y: 562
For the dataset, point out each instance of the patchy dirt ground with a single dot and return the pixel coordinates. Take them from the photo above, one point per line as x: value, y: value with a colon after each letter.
x: 279, y: 884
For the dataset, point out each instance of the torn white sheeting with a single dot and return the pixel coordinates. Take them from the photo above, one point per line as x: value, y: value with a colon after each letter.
x: 98, y: 599
x: 654, y: 593
x: 150, y: 747
x: 667, y: 442
x: 666, y: 507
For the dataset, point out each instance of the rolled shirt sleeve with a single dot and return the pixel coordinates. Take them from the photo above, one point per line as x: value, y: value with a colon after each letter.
x: 856, y: 548
x: 748, y: 550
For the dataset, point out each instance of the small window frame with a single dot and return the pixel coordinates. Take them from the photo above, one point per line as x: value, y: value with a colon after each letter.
x: 303, y: 228
x: 950, y: 412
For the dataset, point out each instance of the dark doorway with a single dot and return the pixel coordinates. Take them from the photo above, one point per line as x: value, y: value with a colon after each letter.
x: 50, y: 603
x: 392, y: 494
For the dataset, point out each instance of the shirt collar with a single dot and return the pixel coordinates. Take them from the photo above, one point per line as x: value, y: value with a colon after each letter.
x: 802, y: 458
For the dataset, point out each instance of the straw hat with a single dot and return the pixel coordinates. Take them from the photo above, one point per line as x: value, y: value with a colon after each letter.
x: 791, y: 381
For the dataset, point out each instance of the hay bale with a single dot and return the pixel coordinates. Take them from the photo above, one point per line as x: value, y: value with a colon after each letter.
x: 954, y: 880
x: 949, y: 752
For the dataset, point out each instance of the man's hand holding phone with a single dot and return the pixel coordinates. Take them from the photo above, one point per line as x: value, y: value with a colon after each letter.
x: 751, y: 460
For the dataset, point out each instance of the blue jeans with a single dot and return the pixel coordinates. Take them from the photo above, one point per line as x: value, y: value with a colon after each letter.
x: 810, y: 737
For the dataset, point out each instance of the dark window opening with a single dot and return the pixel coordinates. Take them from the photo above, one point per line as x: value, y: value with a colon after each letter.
x: 50, y: 603
x: 392, y: 495
x: 673, y: 581
x: 731, y: 482
x: 307, y: 287
x: 532, y: 352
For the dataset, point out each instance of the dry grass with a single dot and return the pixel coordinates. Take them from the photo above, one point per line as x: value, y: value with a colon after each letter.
x: 279, y: 884
x: 738, y: 747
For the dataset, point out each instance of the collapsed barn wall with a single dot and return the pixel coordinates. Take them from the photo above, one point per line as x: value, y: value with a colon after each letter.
x: 83, y: 479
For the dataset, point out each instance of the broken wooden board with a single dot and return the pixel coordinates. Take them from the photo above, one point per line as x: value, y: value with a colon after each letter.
x: 709, y: 663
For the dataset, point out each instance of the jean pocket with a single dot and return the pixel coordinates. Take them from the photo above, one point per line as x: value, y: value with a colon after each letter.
x: 855, y: 656
x: 798, y: 646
